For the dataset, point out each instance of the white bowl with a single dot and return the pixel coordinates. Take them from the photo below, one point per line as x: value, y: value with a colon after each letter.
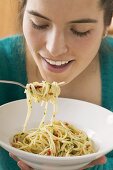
x: 96, y: 121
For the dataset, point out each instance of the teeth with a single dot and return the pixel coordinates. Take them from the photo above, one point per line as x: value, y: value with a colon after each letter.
x: 57, y: 63
x: 65, y: 62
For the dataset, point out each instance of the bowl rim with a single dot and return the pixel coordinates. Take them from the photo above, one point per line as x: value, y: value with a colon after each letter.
x: 59, y: 98
x: 27, y: 154
x: 85, y: 157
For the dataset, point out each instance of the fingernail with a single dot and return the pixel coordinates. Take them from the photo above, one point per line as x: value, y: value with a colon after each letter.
x: 104, y: 160
x: 91, y: 166
x: 10, y: 155
x: 20, y: 164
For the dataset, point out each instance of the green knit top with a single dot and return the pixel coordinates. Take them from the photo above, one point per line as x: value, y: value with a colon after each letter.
x: 13, y: 67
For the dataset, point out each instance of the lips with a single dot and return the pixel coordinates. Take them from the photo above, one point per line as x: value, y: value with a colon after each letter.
x: 58, y: 66
x: 55, y: 68
x: 57, y: 63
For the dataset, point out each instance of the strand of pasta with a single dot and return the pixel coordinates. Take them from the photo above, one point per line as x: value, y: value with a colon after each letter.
x: 56, y: 138
x: 41, y: 92
x: 60, y: 139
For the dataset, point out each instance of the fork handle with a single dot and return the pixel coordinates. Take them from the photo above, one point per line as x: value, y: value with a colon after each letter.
x: 13, y: 82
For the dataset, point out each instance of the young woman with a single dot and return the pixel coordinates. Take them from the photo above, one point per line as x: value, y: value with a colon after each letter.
x: 62, y: 41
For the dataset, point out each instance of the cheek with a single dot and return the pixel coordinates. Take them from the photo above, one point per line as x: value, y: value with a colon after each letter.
x: 87, y: 46
x: 34, y: 38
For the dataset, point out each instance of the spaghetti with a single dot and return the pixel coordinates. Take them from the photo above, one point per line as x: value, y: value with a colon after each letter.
x: 42, y: 92
x: 56, y: 138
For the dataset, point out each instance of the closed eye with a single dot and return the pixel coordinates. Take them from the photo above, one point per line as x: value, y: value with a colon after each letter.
x: 39, y: 27
x: 80, y: 34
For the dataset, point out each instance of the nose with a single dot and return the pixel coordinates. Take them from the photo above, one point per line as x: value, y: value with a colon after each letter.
x: 56, y: 44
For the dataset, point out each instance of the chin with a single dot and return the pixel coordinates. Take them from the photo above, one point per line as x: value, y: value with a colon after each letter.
x: 56, y: 78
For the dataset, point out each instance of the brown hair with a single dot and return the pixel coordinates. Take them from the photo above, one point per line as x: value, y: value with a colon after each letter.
x: 21, y: 7
x: 107, y: 5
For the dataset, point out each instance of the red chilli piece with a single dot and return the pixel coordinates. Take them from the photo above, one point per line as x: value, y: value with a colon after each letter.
x: 66, y: 124
x: 49, y: 152
x: 38, y: 87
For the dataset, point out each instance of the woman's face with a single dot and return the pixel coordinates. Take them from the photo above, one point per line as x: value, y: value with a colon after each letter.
x: 63, y: 36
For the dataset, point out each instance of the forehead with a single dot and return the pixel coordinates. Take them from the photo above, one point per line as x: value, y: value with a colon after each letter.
x: 68, y: 9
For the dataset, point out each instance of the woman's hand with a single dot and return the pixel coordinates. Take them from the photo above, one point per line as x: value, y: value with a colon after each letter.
x: 99, y: 161
x: 22, y: 165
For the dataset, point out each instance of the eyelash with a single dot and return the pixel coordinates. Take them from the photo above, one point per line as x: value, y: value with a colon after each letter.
x: 39, y: 27
x: 79, y: 34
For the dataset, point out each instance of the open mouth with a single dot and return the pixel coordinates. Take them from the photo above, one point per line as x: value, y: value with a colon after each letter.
x: 56, y: 66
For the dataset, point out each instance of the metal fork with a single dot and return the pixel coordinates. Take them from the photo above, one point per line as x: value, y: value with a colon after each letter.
x: 13, y: 82
x: 21, y: 85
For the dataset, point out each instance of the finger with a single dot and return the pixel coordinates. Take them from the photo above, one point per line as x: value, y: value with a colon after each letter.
x: 98, y: 161
x: 20, y: 163
x: 23, y: 166
x: 14, y: 157
x: 101, y: 160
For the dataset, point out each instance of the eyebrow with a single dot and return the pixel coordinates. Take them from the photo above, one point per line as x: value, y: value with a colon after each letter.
x: 83, y: 20
x: 38, y: 15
